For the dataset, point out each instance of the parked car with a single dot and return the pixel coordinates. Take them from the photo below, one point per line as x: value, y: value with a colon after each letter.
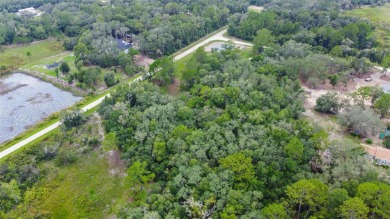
x: 368, y: 79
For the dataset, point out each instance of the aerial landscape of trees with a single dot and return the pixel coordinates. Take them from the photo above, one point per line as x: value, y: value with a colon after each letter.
x: 163, y: 29
x: 232, y: 142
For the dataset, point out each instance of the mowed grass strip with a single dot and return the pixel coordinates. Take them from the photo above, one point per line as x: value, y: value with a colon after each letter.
x: 31, y: 131
x: 16, y: 56
x: 380, y: 17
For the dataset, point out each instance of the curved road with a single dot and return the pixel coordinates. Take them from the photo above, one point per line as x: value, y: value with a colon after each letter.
x: 216, y: 37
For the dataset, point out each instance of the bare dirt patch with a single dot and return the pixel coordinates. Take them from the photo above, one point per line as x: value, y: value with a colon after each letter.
x: 255, y: 8
x: 329, y: 122
x: 174, y: 88
x: 351, y: 86
x: 143, y: 60
x: 385, y: 77
x: 117, y: 165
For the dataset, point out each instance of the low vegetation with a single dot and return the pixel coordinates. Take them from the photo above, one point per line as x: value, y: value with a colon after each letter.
x: 379, y: 17
x: 231, y: 142
x: 69, y: 160
x: 362, y: 118
x: 15, y: 56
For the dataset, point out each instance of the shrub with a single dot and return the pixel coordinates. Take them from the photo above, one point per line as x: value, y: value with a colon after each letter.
x: 64, y: 67
x: 386, y: 142
x: 66, y: 157
x: 363, y: 121
x: 48, y: 150
x: 110, y: 80
x: 369, y: 141
x: 72, y: 119
x: 328, y: 103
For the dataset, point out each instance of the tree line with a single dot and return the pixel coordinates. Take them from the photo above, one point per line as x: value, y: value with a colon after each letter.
x: 232, y: 144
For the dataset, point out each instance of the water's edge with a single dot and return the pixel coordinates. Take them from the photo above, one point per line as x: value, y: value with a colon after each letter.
x: 26, y: 101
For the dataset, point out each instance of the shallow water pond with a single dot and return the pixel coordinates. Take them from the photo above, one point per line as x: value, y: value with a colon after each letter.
x: 26, y: 100
x: 220, y: 46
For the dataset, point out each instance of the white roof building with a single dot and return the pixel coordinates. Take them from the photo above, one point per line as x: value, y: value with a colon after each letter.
x: 30, y: 12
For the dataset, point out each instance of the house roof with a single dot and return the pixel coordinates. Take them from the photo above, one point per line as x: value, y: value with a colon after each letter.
x: 378, y: 152
x: 123, y: 45
x: 29, y: 11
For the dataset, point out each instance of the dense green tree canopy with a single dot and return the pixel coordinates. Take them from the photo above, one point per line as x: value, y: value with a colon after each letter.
x: 233, y: 142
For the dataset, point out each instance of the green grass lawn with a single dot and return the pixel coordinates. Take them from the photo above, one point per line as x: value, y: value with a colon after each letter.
x: 40, y: 66
x: 380, y: 16
x: 16, y: 56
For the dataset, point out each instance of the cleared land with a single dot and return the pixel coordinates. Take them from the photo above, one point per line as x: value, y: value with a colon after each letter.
x: 379, y: 16
x: 255, y: 8
x: 42, y: 65
x: 16, y: 56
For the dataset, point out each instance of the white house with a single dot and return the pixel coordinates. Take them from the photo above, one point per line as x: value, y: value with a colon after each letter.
x: 30, y: 12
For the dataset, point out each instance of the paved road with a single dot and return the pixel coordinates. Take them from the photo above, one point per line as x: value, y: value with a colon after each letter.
x: 46, y: 130
x: 215, y: 37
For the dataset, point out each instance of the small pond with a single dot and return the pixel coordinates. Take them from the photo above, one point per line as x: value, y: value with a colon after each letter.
x: 220, y: 46
x: 26, y: 100
x: 53, y: 65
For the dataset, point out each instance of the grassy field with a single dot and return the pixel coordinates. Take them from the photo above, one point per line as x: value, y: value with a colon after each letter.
x: 40, y: 66
x: 81, y: 190
x: 16, y: 56
x: 378, y: 16
x: 91, y: 187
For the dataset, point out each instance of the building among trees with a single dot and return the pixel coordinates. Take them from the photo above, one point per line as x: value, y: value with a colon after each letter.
x: 29, y: 12
x: 379, y: 155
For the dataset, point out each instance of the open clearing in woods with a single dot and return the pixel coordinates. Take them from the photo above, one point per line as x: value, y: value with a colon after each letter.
x: 378, y: 16
x: 16, y: 56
